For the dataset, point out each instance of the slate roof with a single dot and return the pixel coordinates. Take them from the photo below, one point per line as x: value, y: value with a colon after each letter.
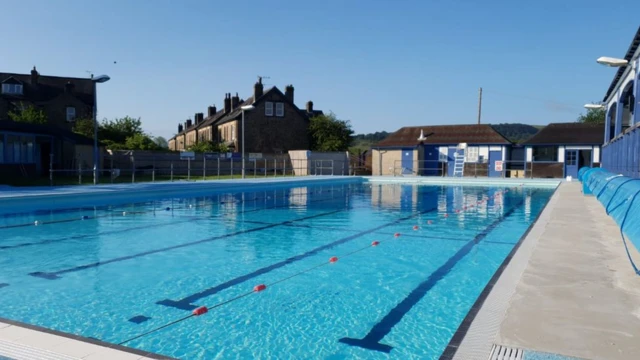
x: 568, y: 133
x: 444, y: 135
x: 49, y: 87
x: 632, y: 49
x: 39, y: 129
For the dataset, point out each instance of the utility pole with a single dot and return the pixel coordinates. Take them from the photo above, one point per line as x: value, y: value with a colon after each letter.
x: 479, y: 105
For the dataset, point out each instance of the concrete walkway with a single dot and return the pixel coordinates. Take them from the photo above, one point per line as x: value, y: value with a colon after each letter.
x: 570, y: 289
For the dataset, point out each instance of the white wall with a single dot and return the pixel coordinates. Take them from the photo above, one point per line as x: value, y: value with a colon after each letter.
x: 596, y: 154
x: 561, y: 154
x: 529, y: 154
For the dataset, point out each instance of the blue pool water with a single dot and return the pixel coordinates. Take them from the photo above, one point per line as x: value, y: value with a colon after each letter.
x: 113, y: 273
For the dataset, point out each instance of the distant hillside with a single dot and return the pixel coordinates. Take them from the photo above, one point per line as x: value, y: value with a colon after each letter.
x: 364, y: 141
x: 517, y: 132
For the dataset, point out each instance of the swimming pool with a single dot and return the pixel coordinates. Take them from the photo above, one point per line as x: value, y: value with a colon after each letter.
x: 116, y: 272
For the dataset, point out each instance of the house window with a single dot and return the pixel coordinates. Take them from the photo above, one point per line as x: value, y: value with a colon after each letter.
x: 572, y: 158
x: 233, y: 133
x: 545, y: 153
x: 280, y: 109
x: 71, y: 114
x: 472, y: 154
x: 268, y: 108
x: 13, y: 89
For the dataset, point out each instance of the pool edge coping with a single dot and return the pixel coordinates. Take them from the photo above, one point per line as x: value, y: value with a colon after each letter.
x: 484, y: 328
x: 84, y: 339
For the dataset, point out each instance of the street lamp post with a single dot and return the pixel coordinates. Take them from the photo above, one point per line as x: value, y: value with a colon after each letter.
x: 96, y: 80
x: 244, y: 108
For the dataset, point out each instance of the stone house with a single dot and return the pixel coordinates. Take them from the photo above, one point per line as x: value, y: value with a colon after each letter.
x: 275, y: 125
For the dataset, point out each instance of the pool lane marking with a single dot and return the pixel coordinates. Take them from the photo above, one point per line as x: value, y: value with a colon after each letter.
x: 55, y: 274
x: 3, y: 285
x: 111, y: 232
x: 371, y: 340
x: 258, y: 288
x: 186, y: 302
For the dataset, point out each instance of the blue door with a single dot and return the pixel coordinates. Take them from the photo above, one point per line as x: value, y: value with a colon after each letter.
x: 493, y: 157
x: 451, y: 160
x: 431, y: 164
x: 571, y: 163
x: 407, y: 161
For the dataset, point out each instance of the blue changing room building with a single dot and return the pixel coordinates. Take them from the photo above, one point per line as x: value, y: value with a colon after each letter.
x: 621, y: 149
x: 430, y: 150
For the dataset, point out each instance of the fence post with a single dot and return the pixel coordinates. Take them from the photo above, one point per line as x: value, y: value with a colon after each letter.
x: 133, y: 170
x: 265, y: 167
x: 153, y: 174
x: 532, y: 168
x: 332, y: 167
x: 275, y: 167
x: 188, y: 169
x: 50, y: 169
x: 204, y: 167
x: 231, y: 168
x: 218, y: 167
x: 255, y: 165
x: 284, y: 167
x: 171, y: 175
x: 111, y: 173
x: 79, y: 173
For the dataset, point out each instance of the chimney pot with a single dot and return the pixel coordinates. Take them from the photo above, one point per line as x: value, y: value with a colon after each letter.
x: 258, y: 89
x: 309, y: 106
x: 211, y: 110
x: 34, y: 76
x: 188, y: 123
x: 199, y: 117
x: 235, y: 101
x: 227, y: 103
x: 180, y: 128
x: 288, y: 92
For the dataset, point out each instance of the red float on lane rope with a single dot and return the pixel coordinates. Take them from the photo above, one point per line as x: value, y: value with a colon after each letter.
x: 333, y: 259
x: 430, y: 222
x: 259, y: 288
x: 396, y: 235
x: 199, y: 311
x: 446, y: 215
x: 375, y: 243
x: 415, y: 227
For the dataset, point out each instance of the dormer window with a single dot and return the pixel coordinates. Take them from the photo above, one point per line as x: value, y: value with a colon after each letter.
x: 12, y: 89
x: 71, y: 114
x: 280, y: 109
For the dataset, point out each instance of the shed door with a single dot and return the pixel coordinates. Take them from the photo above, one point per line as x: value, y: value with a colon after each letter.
x: 407, y: 161
x: 571, y: 163
x: 493, y: 157
x: 431, y: 164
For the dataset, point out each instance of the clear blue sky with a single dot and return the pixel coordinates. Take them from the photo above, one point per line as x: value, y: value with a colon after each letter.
x: 380, y: 64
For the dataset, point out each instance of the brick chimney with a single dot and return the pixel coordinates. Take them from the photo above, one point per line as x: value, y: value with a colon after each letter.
x: 258, y: 89
x: 288, y: 92
x: 309, y: 106
x: 188, y: 123
x: 199, y: 117
x: 227, y: 103
x: 235, y: 101
x: 180, y: 128
x: 68, y: 87
x: 34, y: 76
x: 211, y: 110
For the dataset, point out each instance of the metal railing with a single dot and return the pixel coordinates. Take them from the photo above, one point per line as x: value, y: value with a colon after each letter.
x: 203, y: 169
x: 508, y: 168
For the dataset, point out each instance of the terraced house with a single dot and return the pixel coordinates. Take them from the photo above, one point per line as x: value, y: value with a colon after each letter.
x: 275, y: 125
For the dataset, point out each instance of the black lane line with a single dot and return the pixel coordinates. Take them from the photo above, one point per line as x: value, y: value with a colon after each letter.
x: 55, y: 275
x: 371, y: 341
x: 186, y: 302
x: 3, y: 285
x: 111, y: 232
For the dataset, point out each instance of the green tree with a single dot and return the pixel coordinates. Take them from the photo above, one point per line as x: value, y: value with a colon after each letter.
x: 140, y: 141
x: 208, y: 146
x: 328, y: 133
x: 161, y: 142
x: 119, y: 129
x: 593, y: 116
x: 28, y: 114
x: 84, y: 126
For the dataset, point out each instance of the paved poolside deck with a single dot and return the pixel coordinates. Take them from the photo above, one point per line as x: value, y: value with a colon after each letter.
x: 569, y: 290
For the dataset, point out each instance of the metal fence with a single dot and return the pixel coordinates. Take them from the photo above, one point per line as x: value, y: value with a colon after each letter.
x: 509, y: 169
x: 152, y: 170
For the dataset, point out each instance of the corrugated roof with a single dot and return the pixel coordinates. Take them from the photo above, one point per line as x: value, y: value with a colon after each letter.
x: 568, y: 133
x: 632, y: 49
x: 444, y: 135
